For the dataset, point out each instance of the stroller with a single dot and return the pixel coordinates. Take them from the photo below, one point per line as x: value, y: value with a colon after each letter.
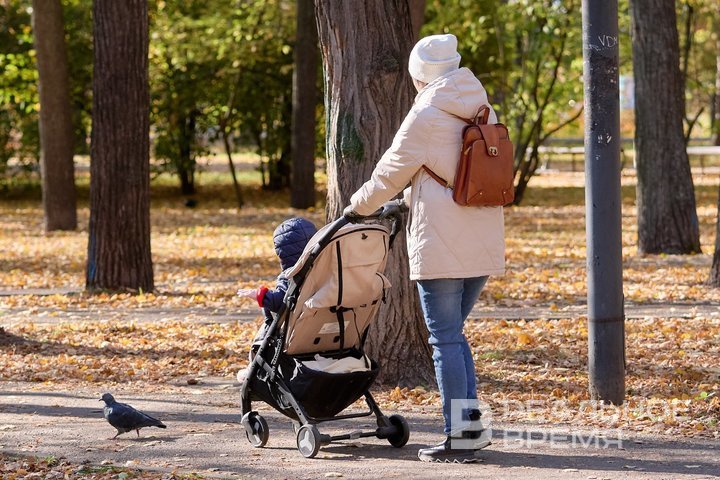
x: 334, y: 294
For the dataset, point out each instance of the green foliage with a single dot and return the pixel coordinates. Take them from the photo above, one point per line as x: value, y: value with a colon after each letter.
x: 19, y: 98
x: 529, y: 54
x: 213, y: 65
x: 221, y: 67
x: 181, y: 67
x: 77, y: 15
x: 698, y: 30
x: 217, y: 68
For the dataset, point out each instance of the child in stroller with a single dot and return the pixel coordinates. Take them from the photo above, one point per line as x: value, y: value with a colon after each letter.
x: 310, y: 364
x: 289, y: 239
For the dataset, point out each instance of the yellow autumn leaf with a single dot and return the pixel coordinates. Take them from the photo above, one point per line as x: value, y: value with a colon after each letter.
x: 524, y: 339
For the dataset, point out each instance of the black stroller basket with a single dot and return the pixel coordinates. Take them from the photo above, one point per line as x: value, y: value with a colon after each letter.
x: 308, y: 325
x: 320, y: 395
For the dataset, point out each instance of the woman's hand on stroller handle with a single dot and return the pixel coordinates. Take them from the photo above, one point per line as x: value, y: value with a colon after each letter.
x: 391, y: 209
x: 350, y: 214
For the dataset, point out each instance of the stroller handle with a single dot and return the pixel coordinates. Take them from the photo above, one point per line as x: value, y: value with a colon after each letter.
x: 395, y: 217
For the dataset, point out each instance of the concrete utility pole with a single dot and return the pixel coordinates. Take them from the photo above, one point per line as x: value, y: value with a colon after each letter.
x: 606, y: 317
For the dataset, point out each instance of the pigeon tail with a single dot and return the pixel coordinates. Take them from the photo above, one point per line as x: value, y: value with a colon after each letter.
x: 156, y: 423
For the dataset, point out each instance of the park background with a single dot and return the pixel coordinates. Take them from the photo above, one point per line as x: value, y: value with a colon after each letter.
x: 229, y: 156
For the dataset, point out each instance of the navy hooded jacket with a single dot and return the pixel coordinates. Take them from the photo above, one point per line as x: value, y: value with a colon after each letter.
x: 290, y: 238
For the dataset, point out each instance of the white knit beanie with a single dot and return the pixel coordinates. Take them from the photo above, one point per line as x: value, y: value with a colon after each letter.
x: 433, y: 57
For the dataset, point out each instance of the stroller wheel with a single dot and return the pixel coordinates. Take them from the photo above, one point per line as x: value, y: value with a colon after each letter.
x: 402, y: 435
x: 308, y: 440
x: 256, y: 429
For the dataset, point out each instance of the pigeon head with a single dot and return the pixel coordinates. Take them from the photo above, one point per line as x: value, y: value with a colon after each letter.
x: 107, y: 398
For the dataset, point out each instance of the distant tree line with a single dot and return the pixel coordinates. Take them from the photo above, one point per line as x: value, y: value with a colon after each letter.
x: 223, y: 71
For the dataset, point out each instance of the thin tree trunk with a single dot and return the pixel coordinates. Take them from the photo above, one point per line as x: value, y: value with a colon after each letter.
x: 186, y: 160
x: 302, y: 193
x: 119, y: 242
x: 365, y: 48
x: 56, y: 130
x: 228, y: 152
x: 225, y: 133
x: 667, y: 217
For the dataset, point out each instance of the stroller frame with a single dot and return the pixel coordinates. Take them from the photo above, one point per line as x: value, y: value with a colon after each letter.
x: 309, y: 439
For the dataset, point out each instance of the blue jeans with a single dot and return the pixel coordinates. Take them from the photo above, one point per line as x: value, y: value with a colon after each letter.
x: 446, y: 303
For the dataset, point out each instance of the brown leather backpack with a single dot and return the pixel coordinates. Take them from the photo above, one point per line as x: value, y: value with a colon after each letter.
x: 484, y: 175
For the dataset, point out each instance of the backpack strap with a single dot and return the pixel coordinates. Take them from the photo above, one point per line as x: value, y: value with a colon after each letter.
x: 482, y: 115
x: 437, y: 177
x: 480, y: 118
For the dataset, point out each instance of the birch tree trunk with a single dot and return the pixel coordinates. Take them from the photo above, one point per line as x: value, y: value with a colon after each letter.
x: 667, y: 217
x: 119, y: 239
x: 365, y: 47
x: 56, y: 131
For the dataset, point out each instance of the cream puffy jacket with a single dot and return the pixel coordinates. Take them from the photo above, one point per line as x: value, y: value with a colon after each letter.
x: 445, y: 240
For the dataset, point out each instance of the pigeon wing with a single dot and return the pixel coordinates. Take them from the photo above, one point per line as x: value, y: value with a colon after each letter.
x: 124, y: 417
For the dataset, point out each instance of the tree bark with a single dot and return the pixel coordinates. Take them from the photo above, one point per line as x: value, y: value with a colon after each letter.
x: 56, y: 129
x: 302, y: 194
x: 716, y: 134
x: 119, y: 241
x: 417, y: 16
x: 715, y: 269
x: 365, y: 48
x: 186, y: 159
x: 667, y: 217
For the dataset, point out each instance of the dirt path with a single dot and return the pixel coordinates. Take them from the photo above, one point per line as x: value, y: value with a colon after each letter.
x: 45, y: 315
x: 204, y: 436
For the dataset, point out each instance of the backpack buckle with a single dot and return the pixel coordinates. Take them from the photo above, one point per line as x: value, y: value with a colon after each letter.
x: 493, y: 151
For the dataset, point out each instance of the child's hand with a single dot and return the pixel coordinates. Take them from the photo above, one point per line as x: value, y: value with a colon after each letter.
x: 247, y: 293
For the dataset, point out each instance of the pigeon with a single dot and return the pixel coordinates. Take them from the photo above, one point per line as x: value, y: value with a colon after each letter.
x: 125, y: 418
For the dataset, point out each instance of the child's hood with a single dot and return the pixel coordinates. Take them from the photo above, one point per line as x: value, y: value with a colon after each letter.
x: 290, y: 238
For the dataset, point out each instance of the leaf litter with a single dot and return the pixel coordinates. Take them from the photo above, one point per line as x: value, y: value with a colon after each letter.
x: 201, y: 257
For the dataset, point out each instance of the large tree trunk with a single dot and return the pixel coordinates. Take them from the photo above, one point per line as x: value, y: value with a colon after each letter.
x: 119, y: 241
x: 56, y: 130
x: 417, y: 16
x: 716, y: 133
x: 365, y: 47
x: 667, y: 218
x: 715, y: 270
x: 302, y: 194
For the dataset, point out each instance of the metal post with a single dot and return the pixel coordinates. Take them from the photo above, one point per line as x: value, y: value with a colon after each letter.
x: 606, y: 317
